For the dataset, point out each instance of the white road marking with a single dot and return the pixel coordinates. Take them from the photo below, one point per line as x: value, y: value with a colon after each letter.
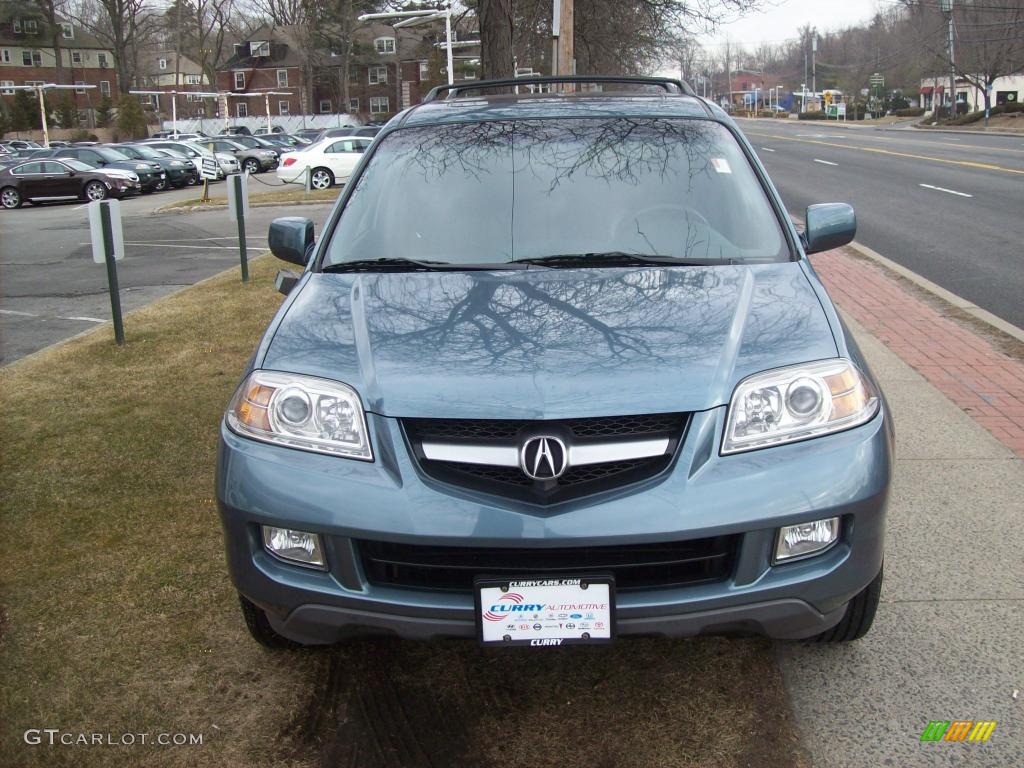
x: 168, y: 245
x: 86, y: 319
x: 15, y: 312
x: 943, y: 189
x: 765, y: 149
x: 825, y: 162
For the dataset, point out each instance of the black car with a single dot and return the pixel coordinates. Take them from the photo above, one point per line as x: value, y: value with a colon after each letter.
x: 42, y: 180
x: 285, y: 141
x: 179, y: 172
x: 190, y: 166
x: 236, y: 130
x: 151, y: 176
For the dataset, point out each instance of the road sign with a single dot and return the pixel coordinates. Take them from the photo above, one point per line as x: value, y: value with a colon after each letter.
x: 96, y: 230
x: 876, y: 79
x: 238, y: 194
x: 107, y: 247
x: 238, y: 205
x: 208, y: 168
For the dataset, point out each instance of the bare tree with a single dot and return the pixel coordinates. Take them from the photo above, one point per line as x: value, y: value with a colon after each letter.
x: 496, y: 24
x: 125, y: 26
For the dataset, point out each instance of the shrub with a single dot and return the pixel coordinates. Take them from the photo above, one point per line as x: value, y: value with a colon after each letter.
x: 911, y: 112
x: 131, y: 121
x: 811, y: 116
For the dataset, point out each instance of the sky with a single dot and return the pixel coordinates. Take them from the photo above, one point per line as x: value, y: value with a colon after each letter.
x: 781, y: 18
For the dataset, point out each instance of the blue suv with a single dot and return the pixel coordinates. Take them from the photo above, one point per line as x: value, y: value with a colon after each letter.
x: 557, y: 370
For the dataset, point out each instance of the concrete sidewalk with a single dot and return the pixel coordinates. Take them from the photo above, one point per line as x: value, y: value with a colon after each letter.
x: 948, y: 643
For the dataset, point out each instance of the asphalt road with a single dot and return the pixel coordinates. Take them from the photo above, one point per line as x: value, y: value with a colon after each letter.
x: 50, y: 289
x: 949, y: 207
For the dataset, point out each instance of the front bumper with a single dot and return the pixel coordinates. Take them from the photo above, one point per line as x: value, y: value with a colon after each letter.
x: 701, y: 495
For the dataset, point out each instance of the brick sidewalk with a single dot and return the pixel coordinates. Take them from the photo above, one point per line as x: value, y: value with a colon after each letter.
x: 969, y: 370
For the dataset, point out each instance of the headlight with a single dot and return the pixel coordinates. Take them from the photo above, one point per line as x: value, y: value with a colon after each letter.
x: 141, y: 167
x: 177, y: 164
x: 796, y: 403
x: 301, y: 412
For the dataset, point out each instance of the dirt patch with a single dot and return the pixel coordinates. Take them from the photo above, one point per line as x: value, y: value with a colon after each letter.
x: 647, y: 702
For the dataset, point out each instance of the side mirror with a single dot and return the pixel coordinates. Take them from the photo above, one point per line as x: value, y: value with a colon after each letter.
x: 291, y: 238
x: 69, y: 173
x: 828, y: 225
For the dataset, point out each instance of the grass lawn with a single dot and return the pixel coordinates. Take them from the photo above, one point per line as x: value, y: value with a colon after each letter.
x: 117, y: 615
x: 277, y: 196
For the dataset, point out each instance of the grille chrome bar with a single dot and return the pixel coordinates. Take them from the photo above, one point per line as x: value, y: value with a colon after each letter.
x: 579, y: 455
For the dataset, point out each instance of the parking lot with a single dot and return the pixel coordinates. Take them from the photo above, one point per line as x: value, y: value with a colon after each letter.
x: 165, y: 252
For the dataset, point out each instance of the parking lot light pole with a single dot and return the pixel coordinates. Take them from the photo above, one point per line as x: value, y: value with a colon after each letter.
x: 42, y: 101
x: 266, y: 101
x: 419, y: 17
x: 174, y: 101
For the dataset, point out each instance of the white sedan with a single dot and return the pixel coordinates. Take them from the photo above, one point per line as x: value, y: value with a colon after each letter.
x: 328, y: 162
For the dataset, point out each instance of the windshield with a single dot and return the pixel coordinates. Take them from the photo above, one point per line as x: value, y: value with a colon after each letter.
x: 110, y: 155
x: 146, y: 152
x: 496, y: 192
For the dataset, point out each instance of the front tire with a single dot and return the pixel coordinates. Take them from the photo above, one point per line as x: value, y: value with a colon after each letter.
x: 161, y: 185
x: 96, y: 190
x: 321, y: 178
x: 860, y: 614
x: 10, y: 198
x: 259, y: 627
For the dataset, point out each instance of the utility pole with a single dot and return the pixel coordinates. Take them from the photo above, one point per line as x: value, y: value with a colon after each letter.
x: 814, y: 71
x: 947, y: 8
x: 566, y: 52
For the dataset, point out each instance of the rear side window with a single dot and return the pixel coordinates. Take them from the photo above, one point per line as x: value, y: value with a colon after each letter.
x: 533, y: 188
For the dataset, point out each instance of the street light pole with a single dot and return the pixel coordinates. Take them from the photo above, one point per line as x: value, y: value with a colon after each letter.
x: 42, y: 101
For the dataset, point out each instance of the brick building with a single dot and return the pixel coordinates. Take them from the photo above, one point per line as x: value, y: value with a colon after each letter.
x: 390, y: 69
x: 157, y: 71
x: 28, y: 57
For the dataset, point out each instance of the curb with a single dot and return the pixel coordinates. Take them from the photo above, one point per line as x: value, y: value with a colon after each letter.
x: 223, y: 206
x: 58, y: 345
x: 1011, y: 134
x: 949, y: 297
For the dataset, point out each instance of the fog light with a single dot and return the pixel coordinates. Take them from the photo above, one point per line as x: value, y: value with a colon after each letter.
x: 805, y: 539
x: 294, y: 546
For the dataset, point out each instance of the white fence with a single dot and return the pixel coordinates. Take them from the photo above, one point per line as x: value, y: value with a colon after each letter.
x: 214, y: 125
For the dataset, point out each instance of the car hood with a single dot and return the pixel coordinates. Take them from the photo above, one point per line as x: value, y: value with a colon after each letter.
x: 548, y: 344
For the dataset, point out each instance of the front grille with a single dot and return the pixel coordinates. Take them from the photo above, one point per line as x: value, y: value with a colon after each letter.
x: 635, y: 566
x: 511, y: 482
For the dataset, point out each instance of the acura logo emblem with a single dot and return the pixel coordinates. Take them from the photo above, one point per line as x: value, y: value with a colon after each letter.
x: 543, y: 458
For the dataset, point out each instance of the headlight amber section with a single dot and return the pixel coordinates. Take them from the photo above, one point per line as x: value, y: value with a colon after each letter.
x: 796, y: 403
x: 302, y: 412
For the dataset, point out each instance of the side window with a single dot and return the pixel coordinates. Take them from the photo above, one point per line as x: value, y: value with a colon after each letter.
x: 21, y: 170
x: 52, y: 167
x: 362, y: 144
x: 338, y: 146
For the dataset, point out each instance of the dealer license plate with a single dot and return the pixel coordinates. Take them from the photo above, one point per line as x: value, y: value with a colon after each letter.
x: 545, y: 612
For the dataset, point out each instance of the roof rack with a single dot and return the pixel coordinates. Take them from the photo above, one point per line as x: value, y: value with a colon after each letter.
x: 670, y: 85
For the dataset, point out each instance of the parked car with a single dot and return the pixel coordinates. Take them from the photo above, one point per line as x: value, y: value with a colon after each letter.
x: 226, y: 163
x: 308, y: 133
x: 59, y: 143
x: 18, y: 145
x: 286, y: 140
x: 258, y: 142
x: 262, y: 130
x: 250, y: 159
x: 190, y: 166
x: 152, y: 176
x: 178, y: 172
x: 330, y: 162
x: 38, y: 181
x: 557, y: 370
x: 236, y: 130
x: 179, y: 136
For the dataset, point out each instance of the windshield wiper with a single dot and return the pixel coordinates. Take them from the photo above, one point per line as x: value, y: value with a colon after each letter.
x: 616, y: 259
x: 413, y: 265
